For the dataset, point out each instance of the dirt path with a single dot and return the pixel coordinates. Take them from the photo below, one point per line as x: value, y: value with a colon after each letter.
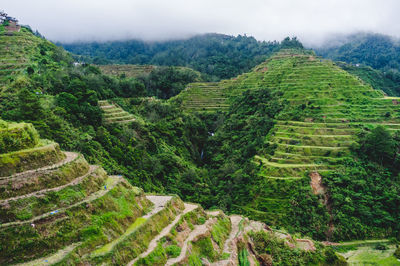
x: 316, y: 184
x: 69, y: 157
x: 230, y: 244
x: 111, y: 183
x: 164, y: 232
x: 159, y: 203
x: 40, y: 193
x: 198, y: 230
x: 214, y: 213
x: 319, y: 189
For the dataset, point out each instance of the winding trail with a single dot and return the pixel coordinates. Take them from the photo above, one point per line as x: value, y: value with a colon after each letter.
x: 40, y: 193
x: 159, y: 204
x: 230, y: 245
x: 112, y: 181
x: 69, y: 157
x: 198, y: 230
x: 164, y: 232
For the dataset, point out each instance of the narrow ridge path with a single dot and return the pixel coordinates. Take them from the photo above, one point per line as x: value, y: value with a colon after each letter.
x: 159, y: 203
x: 165, y: 231
x: 69, y: 157
x: 112, y: 181
x: 230, y: 246
x: 39, y: 193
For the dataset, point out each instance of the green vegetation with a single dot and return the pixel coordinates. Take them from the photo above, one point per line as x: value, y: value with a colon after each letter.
x: 397, y: 253
x: 42, y: 154
x: 297, y: 143
x: 107, y: 248
x: 217, y: 55
x: 204, y: 245
x: 367, y: 253
x: 377, y: 79
x: 12, y: 187
x: 378, y: 51
x: 273, y: 250
x: 30, y: 206
x: 162, y: 82
x: 243, y: 260
x: 14, y: 137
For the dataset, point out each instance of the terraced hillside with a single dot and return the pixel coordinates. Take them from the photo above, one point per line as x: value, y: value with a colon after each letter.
x: 115, y: 114
x: 325, y: 108
x: 16, y: 50
x: 127, y: 70
x: 55, y: 208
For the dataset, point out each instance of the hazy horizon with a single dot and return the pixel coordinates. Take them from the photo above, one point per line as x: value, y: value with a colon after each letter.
x: 311, y: 21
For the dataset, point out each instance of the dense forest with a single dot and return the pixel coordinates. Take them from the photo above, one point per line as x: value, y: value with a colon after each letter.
x: 217, y: 55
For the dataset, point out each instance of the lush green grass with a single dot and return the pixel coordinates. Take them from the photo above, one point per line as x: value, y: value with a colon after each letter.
x: 107, y: 248
x: 366, y: 253
x: 15, y: 137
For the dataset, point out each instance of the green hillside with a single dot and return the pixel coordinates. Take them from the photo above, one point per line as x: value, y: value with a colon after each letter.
x: 57, y: 209
x: 307, y: 149
x: 20, y: 51
x: 216, y: 55
x: 377, y: 79
x: 324, y: 110
x: 379, y: 51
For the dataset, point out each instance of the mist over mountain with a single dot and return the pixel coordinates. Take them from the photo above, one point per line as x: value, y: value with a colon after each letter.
x: 216, y: 55
x: 310, y: 20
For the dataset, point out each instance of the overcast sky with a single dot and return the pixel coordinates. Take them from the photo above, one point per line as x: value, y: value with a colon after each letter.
x: 310, y: 20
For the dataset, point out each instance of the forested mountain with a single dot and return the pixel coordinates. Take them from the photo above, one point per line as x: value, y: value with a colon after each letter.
x: 217, y: 55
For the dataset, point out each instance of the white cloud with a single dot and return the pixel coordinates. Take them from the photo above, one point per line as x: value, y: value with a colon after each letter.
x: 310, y: 20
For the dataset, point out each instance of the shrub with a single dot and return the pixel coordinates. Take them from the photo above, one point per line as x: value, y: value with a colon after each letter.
x: 173, y: 251
x: 397, y: 253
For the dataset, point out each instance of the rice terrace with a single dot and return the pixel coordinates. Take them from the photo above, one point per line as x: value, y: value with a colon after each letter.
x: 135, y: 134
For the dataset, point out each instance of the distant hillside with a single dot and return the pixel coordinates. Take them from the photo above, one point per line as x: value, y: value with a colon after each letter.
x: 376, y: 78
x: 217, y: 55
x: 302, y: 121
x: 378, y: 51
x: 375, y: 50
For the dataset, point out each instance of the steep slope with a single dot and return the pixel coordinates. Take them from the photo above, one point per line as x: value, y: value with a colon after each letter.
x: 15, y: 53
x: 55, y: 208
x: 324, y: 109
x: 385, y: 81
x: 217, y: 55
x: 115, y: 114
x: 21, y: 52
